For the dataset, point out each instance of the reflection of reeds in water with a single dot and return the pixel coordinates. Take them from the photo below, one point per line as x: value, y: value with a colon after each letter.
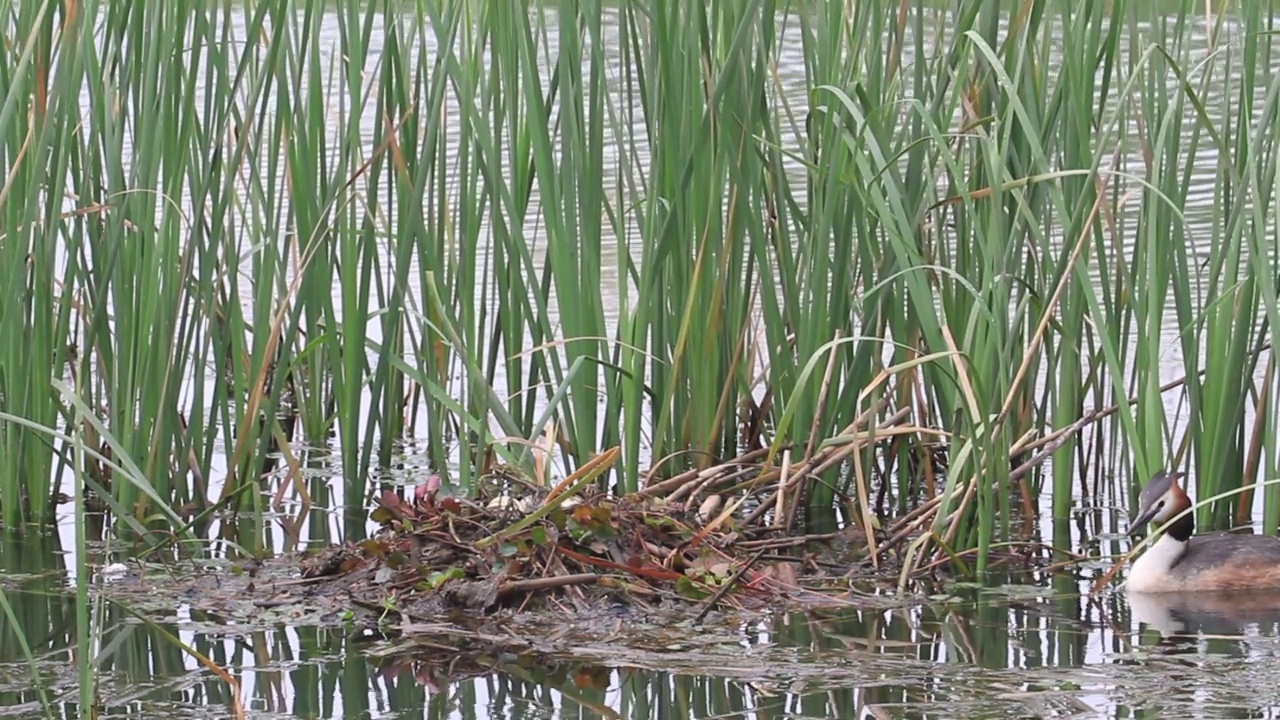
x: 1004, y: 649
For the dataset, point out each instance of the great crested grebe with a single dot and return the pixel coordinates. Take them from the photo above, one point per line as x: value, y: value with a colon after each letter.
x: 1181, y: 561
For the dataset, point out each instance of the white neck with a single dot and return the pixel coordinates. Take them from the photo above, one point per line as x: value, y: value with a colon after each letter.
x: 1150, y: 573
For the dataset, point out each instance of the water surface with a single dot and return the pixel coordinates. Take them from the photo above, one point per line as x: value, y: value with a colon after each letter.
x: 1017, y: 647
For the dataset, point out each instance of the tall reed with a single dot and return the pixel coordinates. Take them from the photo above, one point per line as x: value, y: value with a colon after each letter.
x: 240, y: 227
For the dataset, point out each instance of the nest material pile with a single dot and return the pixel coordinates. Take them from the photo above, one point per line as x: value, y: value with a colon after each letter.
x: 574, y: 548
x: 704, y: 535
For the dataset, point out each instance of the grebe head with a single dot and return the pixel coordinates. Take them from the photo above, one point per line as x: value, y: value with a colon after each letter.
x: 1161, y: 499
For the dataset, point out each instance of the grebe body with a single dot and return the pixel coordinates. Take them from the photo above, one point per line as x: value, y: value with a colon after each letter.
x: 1181, y: 561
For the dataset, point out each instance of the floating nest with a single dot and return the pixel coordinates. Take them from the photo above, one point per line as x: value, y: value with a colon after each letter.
x: 512, y: 545
x: 718, y: 536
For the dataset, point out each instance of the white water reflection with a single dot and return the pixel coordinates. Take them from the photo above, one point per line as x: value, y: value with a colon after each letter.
x: 1038, y: 655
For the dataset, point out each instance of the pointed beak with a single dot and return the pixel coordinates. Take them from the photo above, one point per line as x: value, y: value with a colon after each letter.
x: 1140, y: 522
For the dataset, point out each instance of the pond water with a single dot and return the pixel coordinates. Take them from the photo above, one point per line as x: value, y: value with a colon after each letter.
x: 1026, y: 647
x: 1013, y: 648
